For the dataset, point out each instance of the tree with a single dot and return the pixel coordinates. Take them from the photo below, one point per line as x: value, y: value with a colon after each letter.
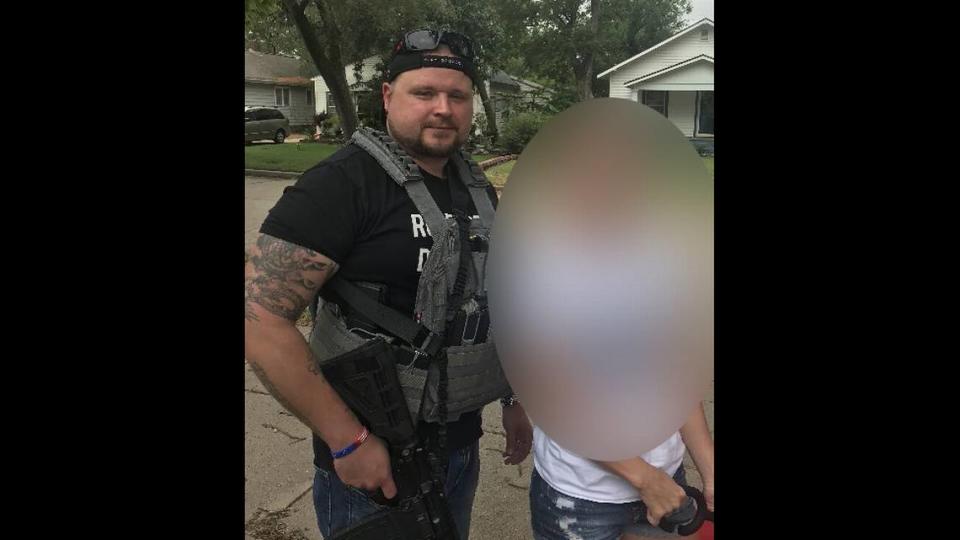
x: 334, y: 35
x: 267, y: 29
x: 583, y: 37
x: 492, y: 25
x: 326, y: 54
x: 651, y: 23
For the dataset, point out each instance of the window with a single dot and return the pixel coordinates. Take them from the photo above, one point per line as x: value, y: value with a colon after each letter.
x: 656, y: 100
x: 282, y: 96
x: 331, y: 106
x: 704, y: 34
x: 309, y: 97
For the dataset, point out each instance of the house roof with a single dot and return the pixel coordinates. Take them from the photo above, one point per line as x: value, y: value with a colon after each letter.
x: 685, y: 31
x: 534, y: 85
x: 502, y: 77
x: 272, y: 68
x: 668, y: 69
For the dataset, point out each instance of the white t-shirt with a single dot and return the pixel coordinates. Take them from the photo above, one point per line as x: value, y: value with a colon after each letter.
x: 583, y: 478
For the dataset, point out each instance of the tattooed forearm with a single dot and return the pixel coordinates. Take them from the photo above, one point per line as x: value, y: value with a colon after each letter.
x: 249, y: 313
x: 285, y: 277
x: 262, y: 375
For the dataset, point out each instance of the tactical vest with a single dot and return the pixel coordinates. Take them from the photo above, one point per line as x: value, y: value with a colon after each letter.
x: 474, y: 376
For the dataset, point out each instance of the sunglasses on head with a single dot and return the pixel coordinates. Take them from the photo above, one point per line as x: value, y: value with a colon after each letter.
x: 428, y: 40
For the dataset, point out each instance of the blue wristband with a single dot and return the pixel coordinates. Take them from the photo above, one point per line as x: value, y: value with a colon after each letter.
x: 352, y: 446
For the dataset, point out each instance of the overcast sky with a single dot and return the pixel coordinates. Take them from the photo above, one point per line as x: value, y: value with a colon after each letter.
x: 701, y: 9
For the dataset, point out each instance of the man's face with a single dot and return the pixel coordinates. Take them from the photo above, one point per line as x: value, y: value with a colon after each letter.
x: 430, y: 110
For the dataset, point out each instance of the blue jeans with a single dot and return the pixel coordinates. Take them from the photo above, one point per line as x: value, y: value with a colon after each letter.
x: 556, y: 516
x: 339, y: 505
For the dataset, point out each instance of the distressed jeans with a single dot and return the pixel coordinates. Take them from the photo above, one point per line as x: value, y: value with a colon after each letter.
x: 557, y: 516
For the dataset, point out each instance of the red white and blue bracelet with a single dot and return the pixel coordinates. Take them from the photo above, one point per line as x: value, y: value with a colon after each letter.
x: 352, y: 446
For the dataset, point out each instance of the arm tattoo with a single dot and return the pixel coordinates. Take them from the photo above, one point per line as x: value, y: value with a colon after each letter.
x: 286, y: 277
x: 249, y: 314
x: 262, y: 375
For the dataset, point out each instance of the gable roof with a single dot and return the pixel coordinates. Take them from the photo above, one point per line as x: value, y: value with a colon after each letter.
x: 668, y: 69
x: 685, y: 31
x: 370, y: 61
x: 502, y: 77
x: 536, y: 87
x: 272, y: 68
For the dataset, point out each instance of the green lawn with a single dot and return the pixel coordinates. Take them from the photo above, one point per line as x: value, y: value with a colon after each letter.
x: 498, y: 175
x: 286, y: 157
x: 290, y: 157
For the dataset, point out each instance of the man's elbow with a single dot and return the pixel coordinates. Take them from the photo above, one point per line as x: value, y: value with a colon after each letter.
x: 261, y: 326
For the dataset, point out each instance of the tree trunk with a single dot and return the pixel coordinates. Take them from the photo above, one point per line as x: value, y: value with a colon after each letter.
x: 344, y: 101
x: 583, y: 68
x: 489, y: 111
x: 331, y: 66
x: 582, y: 73
x: 331, y: 30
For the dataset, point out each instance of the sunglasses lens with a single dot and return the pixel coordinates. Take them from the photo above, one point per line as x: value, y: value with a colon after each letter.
x: 422, y: 40
x: 429, y: 40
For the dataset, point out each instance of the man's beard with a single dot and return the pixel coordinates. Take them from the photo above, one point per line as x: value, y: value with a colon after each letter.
x: 416, y: 146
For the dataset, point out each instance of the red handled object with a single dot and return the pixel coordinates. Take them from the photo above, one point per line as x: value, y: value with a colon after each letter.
x: 689, y: 518
x: 706, y: 530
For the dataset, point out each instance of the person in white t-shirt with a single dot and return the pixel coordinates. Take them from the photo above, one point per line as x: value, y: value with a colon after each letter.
x: 575, y: 497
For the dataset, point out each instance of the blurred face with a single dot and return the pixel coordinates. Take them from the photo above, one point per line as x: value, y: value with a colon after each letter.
x: 430, y: 110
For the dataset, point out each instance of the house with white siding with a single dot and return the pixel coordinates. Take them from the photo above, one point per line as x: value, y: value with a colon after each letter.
x: 278, y: 82
x: 325, y: 101
x: 674, y: 77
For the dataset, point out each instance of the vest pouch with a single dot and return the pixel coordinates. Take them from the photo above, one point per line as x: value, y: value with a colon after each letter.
x: 474, y: 379
x: 331, y: 338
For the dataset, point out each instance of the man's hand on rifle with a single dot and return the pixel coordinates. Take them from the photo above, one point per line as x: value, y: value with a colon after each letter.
x: 368, y: 468
x: 281, y: 280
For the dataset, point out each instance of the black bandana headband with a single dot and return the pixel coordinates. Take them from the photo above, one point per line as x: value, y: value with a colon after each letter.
x: 406, y: 62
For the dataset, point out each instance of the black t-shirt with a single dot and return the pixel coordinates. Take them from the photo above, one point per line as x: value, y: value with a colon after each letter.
x: 348, y: 209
